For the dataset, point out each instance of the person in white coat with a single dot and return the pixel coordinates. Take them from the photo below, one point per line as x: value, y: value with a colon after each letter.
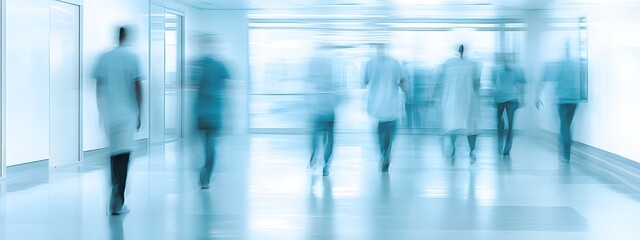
x: 460, y: 79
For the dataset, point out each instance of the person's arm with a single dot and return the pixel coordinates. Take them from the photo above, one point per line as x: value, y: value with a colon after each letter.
x: 522, y: 83
x: 138, y: 88
x: 367, y: 77
x: 539, y: 92
x: 404, y: 85
x: 99, y: 77
x: 404, y: 80
x: 137, y: 82
x: 99, y: 86
x: 541, y: 86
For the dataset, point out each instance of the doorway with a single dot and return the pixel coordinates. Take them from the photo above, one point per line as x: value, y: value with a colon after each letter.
x: 167, y: 54
x: 64, y: 76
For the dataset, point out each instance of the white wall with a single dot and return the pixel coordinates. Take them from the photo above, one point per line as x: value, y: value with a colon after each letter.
x: 27, y: 81
x: 609, y: 120
x: 232, y: 26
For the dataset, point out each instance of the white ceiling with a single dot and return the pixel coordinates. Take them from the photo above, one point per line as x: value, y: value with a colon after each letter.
x: 307, y: 4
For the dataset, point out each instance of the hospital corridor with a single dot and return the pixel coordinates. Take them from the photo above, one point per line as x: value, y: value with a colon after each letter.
x: 319, y: 119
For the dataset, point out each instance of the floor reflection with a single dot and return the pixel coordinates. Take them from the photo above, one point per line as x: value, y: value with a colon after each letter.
x: 321, y: 209
x: 116, y: 227
x: 263, y: 190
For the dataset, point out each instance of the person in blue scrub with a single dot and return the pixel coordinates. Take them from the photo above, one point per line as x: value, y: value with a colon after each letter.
x: 324, y: 83
x: 509, y: 91
x: 210, y: 75
x: 566, y: 76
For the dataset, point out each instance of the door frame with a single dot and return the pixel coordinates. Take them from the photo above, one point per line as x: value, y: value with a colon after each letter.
x: 80, y: 5
x: 3, y: 148
x: 166, y: 9
x: 181, y: 74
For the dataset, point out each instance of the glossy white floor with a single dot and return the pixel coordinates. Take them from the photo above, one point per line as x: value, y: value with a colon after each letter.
x: 262, y: 189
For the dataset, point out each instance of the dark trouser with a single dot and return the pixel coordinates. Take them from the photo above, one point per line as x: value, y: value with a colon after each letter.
x: 566, y: 111
x: 386, y: 134
x: 209, y: 156
x: 119, y: 170
x: 504, y: 145
x: 323, y: 127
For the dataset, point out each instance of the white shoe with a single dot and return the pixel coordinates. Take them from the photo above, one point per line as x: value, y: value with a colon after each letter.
x: 123, y: 210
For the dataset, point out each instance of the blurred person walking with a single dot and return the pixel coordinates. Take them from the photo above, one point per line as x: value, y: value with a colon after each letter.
x: 460, y: 80
x: 119, y: 97
x: 509, y: 82
x: 385, y: 78
x: 566, y: 76
x: 210, y: 75
x: 323, y: 78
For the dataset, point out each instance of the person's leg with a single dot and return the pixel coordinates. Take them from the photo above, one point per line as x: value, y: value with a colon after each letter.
x: 209, y: 158
x: 381, y: 137
x: 561, y: 135
x: 501, y: 108
x: 315, y: 134
x: 472, y: 142
x: 328, y: 143
x: 453, y: 137
x: 119, y: 170
x: 511, y: 108
x: 393, y: 126
x: 567, y: 113
x: 115, y: 201
x: 389, y: 129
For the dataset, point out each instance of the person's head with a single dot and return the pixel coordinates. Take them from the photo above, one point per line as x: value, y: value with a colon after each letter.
x: 500, y: 58
x: 208, y: 43
x: 461, y: 51
x: 381, y: 49
x: 122, y: 35
x: 125, y: 35
x: 508, y: 60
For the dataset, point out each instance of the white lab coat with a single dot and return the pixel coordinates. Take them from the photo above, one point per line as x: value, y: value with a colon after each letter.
x: 460, y: 102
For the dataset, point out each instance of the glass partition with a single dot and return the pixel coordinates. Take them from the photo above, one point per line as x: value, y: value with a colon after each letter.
x: 173, y: 77
x: 166, y: 100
